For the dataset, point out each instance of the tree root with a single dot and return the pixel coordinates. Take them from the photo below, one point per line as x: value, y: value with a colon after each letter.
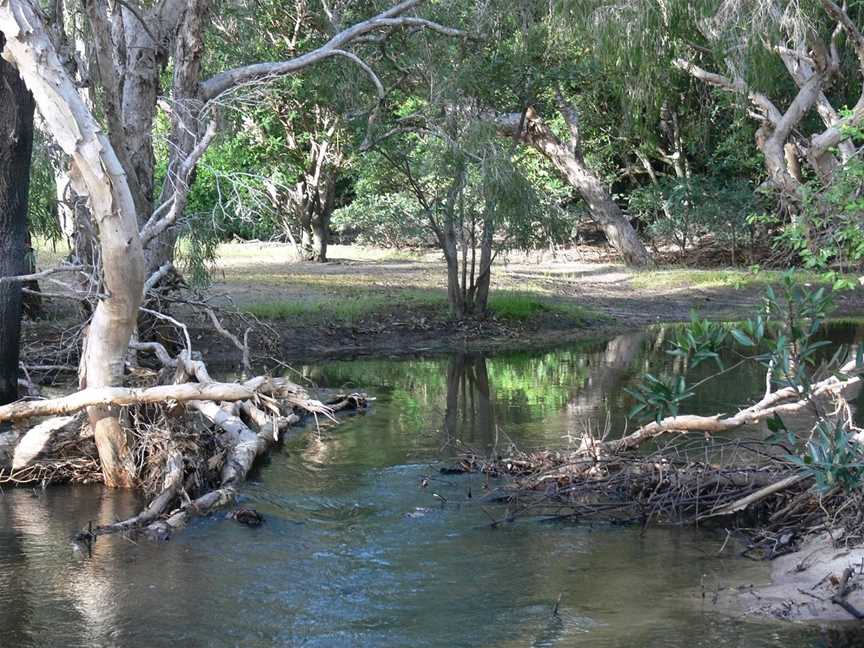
x: 236, y: 424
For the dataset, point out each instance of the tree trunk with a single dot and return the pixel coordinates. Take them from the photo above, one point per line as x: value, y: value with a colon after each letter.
x: 480, y: 303
x: 186, y: 126
x: 16, y: 145
x: 454, y: 290
x: 320, y: 236
x: 605, y: 212
x: 478, y: 377
x: 306, y: 237
x: 455, y: 376
x: 96, y: 166
x: 325, y: 195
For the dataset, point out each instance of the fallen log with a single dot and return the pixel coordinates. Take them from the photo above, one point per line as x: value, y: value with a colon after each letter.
x: 172, y: 482
x: 741, y: 504
x: 773, y: 403
x: 125, y: 396
x: 245, y: 444
x: 38, y: 439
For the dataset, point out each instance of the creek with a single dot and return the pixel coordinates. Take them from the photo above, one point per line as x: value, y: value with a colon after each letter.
x: 356, y: 551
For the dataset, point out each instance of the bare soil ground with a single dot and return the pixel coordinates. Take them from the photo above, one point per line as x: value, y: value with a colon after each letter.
x: 366, y: 301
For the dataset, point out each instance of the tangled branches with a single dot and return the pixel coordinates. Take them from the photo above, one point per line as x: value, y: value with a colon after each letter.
x: 667, y: 486
x: 775, y: 504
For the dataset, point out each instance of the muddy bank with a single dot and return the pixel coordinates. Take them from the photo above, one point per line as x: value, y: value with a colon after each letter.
x: 411, y: 333
x: 421, y: 330
x: 396, y: 318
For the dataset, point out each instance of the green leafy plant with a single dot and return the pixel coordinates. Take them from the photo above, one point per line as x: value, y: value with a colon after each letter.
x: 661, y: 397
x: 785, y: 338
x: 699, y: 341
x: 832, y: 457
x: 682, y: 210
x: 828, y: 237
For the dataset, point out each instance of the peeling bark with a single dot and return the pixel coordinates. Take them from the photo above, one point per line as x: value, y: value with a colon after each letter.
x: 96, y: 165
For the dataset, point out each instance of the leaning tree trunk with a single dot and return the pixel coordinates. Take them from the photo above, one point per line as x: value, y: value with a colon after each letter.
x: 16, y: 145
x: 570, y: 163
x: 94, y: 162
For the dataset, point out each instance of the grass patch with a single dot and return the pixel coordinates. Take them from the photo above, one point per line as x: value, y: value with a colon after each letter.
x: 514, y: 307
x: 523, y: 307
x: 728, y: 278
x: 345, y: 309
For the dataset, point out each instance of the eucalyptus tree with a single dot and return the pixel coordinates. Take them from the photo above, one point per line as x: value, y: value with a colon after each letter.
x: 793, y: 67
x: 297, y: 129
x: 529, y: 73
x: 113, y: 166
x: 16, y: 115
x: 468, y: 192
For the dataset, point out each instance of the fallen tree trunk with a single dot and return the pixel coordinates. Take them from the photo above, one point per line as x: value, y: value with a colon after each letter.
x: 245, y: 451
x: 124, y: 396
x: 223, y: 405
x: 247, y: 445
x: 38, y: 439
x: 773, y: 403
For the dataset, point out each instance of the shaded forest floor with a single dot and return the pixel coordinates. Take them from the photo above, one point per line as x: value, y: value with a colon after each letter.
x: 378, y: 302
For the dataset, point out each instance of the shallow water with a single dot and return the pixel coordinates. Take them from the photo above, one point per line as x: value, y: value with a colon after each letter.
x: 354, y: 552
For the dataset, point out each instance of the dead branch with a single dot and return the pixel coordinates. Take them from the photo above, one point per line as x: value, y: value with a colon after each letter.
x: 126, y: 396
x: 771, y: 404
x: 759, y: 495
x: 36, y: 276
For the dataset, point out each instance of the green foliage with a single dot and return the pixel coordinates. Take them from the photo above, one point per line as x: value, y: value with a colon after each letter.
x: 403, y: 194
x: 828, y: 236
x: 42, y: 198
x: 833, y: 457
x: 659, y: 397
x: 784, y: 338
x: 701, y: 340
x: 681, y: 210
x: 392, y: 220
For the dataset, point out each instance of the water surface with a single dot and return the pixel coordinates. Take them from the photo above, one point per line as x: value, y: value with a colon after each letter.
x: 356, y: 552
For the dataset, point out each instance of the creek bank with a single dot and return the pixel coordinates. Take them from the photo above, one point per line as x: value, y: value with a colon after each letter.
x: 408, y: 329
x: 805, y: 586
x: 410, y: 333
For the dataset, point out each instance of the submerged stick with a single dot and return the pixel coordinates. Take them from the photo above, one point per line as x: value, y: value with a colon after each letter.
x: 842, y: 592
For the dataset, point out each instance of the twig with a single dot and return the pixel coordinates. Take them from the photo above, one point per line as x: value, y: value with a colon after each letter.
x: 842, y: 591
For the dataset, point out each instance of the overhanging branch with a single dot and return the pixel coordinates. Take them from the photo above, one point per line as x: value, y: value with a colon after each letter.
x: 389, y: 19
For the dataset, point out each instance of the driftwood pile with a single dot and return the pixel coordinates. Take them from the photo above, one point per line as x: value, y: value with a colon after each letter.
x: 196, y: 439
x: 697, y: 477
x: 772, y: 504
